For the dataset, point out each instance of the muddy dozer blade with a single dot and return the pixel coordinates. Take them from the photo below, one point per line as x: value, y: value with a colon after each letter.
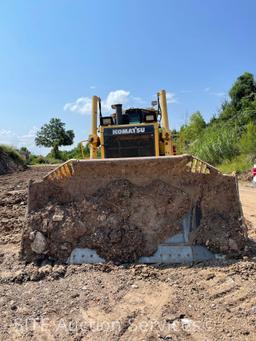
x: 150, y: 210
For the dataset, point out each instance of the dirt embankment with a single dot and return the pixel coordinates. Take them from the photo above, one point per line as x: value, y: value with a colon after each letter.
x: 124, y: 220
x: 9, y: 164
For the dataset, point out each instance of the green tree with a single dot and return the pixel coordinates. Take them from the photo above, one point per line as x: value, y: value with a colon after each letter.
x: 53, y: 135
x: 194, y: 128
x: 244, y: 87
x: 242, y: 105
x: 249, y: 109
x: 247, y: 142
x: 190, y: 132
x: 25, y: 153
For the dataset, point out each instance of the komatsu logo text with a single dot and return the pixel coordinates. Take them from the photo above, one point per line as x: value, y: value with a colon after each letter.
x: 126, y: 131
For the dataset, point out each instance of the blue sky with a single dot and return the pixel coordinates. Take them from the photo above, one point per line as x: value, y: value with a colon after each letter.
x: 54, y: 55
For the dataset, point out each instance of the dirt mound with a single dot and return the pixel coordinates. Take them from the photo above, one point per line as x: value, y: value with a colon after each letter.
x: 127, y: 216
x: 9, y: 164
x: 121, y: 221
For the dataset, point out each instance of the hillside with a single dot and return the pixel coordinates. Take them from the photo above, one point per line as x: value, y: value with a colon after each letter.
x: 229, y: 139
x: 10, y: 160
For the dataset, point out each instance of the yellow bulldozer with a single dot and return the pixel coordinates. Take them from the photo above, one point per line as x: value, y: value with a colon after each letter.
x: 138, y: 202
x: 135, y: 132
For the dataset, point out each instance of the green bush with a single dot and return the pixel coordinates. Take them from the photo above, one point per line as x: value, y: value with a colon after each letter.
x: 216, y: 144
x: 63, y: 156
x: 25, y: 153
x: 247, y: 143
x: 52, y: 160
x: 75, y: 153
x: 37, y: 159
x: 239, y: 164
x: 13, y: 153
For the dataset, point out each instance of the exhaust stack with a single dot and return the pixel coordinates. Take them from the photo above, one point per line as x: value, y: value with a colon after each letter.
x: 119, y: 113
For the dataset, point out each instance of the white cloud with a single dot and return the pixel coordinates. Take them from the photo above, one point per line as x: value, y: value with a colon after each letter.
x: 170, y: 97
x: 28, y: 139
x: 10, y: 137
x: 115, y: 97
x: 31, y: 133
x: 4, y: 132
x: 207, y: 89
x: 83, y: 104
x: 92, y: 87
x: 7, y: 137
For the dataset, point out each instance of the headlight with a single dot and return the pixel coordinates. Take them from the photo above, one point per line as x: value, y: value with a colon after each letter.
x: 106, y: 121
x: 149, y: 118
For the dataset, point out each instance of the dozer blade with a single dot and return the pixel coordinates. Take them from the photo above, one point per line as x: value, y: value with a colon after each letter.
x: 151, y: 210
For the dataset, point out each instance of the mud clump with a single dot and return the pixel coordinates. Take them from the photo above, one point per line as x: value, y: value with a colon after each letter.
x: 125, y: 243
x: 121, y: 221
x: 222, y: 227
x: 215, y: 233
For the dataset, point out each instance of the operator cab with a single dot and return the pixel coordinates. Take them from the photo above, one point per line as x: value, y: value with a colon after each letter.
x: 129, y: 116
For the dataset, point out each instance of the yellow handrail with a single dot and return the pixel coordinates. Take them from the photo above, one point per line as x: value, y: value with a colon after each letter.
x: 82, y: 148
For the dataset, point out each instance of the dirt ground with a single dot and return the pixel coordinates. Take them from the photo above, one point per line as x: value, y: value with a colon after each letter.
x: 204, y: 301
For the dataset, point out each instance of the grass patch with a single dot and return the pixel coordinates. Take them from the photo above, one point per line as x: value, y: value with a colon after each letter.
x: 41, y: 160
x: 13, y: 153
x: 238, y: 164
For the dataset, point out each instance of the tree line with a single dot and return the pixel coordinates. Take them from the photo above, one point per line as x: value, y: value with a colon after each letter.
x: 230, y: 133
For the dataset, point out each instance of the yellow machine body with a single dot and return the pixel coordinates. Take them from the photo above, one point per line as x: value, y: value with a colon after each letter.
x: 156, y: 136
x: 161, y: 133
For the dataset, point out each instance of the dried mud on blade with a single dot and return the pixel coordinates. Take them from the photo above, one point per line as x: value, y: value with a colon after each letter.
x: 150, y: 210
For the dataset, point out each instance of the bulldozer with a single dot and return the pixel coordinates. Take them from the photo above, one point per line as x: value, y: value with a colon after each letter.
x: 134, y: 200
x: 135, y: 132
